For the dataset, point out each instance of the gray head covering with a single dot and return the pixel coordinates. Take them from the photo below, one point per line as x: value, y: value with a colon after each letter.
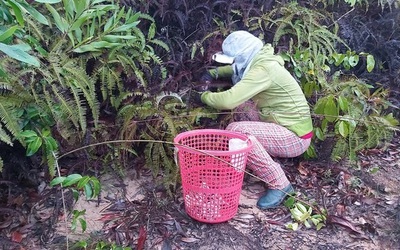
x: 241, y: 47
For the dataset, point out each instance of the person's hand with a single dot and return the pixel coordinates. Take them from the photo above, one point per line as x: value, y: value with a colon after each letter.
x: 201, y: 87
x: 206, y: 78
x: 203, y: 84
x: 195, y: 97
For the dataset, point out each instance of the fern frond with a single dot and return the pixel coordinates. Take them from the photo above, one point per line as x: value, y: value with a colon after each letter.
x: 119, y: 99
x: 340, y: 150
x: 4, y: 137
x: 7, y: 117
x: 281, y: 29
x: 129, y: 65
x: 171, y: 171
x: 65, y: 105
x: 5, y: 88
x: 80, y: 106
x: 140, y: 43
x: 51, y: 158
x: 77, y: 78
x: 180, y: 17
x: 146, y: 16
x: 151, y: 162
x: 171, y: 125
x: 198, y: 113
x: 127, y: 112
x: 161, y: 44
x: 54, y: 72
x: 158, y: 155
x: 35, y: 28
x: 157, y: 60
x: 106, y: 81
x: 155, y: 162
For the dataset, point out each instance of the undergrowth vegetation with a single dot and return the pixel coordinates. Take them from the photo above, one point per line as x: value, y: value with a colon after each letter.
x: 74, y: 73
x: 88, y: 59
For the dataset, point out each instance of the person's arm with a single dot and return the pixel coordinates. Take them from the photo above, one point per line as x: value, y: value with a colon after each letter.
x: 221, y: 72
x: 255, y: 81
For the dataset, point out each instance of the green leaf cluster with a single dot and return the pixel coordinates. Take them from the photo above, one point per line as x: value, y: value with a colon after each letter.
x: 64, y: 60
x: 12, y: 28
x: 87, y: 184
x: 309, y: 41
x: 303, y: 214
x: 354, y: 113
x: 159, y: 119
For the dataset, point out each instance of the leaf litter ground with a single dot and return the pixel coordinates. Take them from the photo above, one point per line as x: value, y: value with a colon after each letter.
x: 363, y: 204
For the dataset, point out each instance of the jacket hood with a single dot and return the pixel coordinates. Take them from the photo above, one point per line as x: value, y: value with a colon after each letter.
x: 267, y: 54
x: 241, y: 47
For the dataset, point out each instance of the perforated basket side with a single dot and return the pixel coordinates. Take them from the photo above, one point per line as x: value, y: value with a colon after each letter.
x: 212, y: 176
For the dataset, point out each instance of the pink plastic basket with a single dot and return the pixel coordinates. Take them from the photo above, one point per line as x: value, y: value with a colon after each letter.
x: 212, y: 176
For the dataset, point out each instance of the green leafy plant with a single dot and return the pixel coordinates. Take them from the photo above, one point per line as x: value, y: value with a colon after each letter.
x: 160, y: 119
x: 12, y: 26
x: 303, y: 214
x: 102, y: 245
x: 90, y: 186
x: 77, y: 217
x: 84, y: 48
x: 312, y: 50
x: 351, y: 59
x: 12, y: 95
x: 78, y: 184
x: 352, y: 112
x: 309, y: 36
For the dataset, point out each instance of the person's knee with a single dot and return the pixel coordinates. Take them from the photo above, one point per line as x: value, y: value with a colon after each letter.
x: 234, y: 126
x: 238, y: 127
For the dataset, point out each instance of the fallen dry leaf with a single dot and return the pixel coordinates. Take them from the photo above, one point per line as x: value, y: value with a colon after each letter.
x: 275, y: 222
x: 18, y: 201
x: 302, y: 170
x: 189, y: 239
x: 16, y: 236
x: 142, y: 238
x: 391, y: 202
x: 369, y: 200
x: 108, y: 217
x: 343, y: 222
x: 340, y: 209
x: 179, y: 228
x: 246, y: 216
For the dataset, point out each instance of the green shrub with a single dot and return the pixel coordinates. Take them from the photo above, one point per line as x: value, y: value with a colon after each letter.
x: 85, y: 50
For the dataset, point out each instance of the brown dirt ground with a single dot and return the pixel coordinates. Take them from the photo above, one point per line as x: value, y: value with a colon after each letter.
x: 364, y: 209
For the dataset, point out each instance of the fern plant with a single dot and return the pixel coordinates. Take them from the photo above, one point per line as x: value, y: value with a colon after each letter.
x: 307, y: 38
x: 159, y: 120
x: 83, y: 47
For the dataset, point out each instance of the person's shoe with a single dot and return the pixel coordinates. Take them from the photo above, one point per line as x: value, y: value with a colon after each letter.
x: 273, y: 197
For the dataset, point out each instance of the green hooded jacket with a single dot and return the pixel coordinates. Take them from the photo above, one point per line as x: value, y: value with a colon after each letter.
x: 276, y: 93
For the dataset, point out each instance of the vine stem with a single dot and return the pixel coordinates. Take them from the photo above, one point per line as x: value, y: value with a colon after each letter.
x: 63, y: 201
x: 345, y: 14
x: 185, y: 146
x: 318, y: 116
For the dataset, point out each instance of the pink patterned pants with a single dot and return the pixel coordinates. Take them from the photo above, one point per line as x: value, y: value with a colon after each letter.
x: 270, y: 139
